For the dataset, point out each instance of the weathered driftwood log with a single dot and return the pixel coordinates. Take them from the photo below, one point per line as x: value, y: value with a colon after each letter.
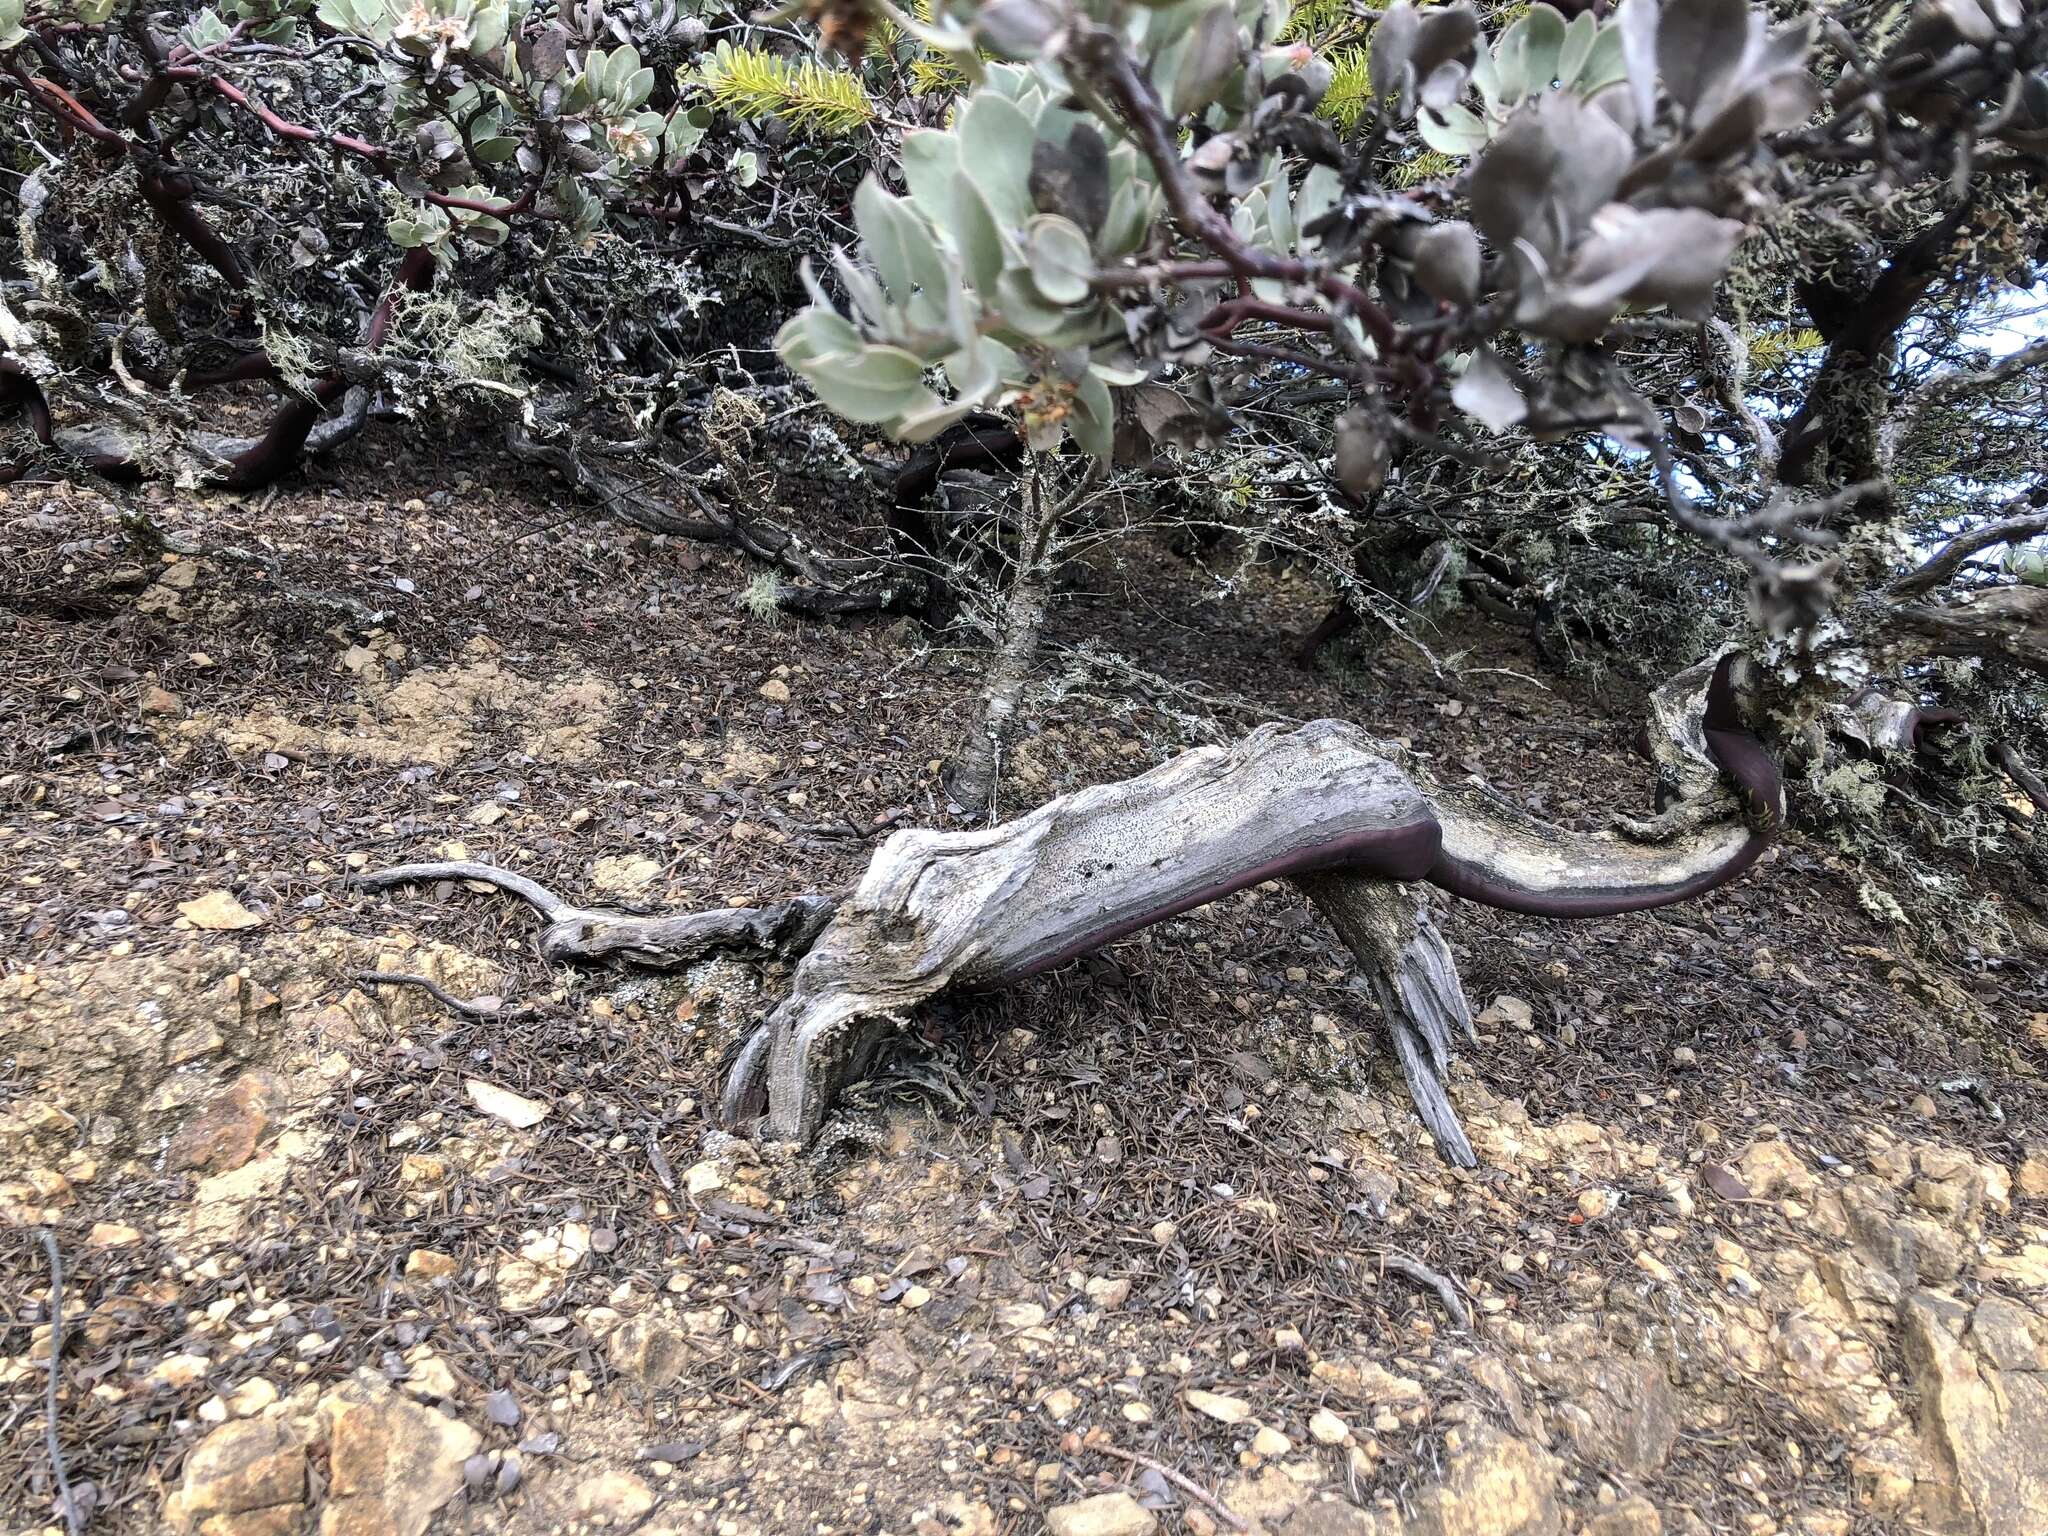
x: 1353, y: 821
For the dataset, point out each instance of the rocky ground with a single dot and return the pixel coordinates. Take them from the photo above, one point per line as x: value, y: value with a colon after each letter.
x: 1758, y: 1241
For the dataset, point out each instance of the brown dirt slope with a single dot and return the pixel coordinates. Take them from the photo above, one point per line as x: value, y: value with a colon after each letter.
x: 1759, y: 1239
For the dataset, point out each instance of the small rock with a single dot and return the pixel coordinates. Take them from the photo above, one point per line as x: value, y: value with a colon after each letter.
x: 624, y: 875
x: 1266, y: 1497
x: 1224, y: 1410
x: 1325, y: 1428
x: 1164, y: 1232
x: 237, y: 1469
x: 1655, y: 1268
x: 818, y: 1405
x: 650, y: 1349
x: 1596, y: 1203
x: 429, y: 1378
x: 1510, y: 1010
x: 2032, y: 1179
x: 1107, y: 1514
x: 161, y: 701
x: 428, y: 1264
x: 1270, y: 1442
x: 1108, y: 1294
x: 703, y: 1178
x: 1368, y: 1381
x: 179, y: 1371
x: 422, y: 1168
x: 219, y: 912
x: 614, y: 1498
x: 1019, y: 1315
x: 1772, y: 1168
x: 775, y: 690
x: 1496, y: 1485
x: 1924, y: 1107
x: 391, y: 1463
x: 1635, y: 1516
x: 523, y: 1286
x: 112, y: 1234
x: 1060, y: 1403
x: 251, y: 1397
x: 223, y: 1136
x: 1675, y: 1194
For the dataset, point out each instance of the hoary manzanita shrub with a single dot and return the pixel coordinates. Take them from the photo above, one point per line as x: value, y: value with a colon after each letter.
x: 525, y: 93
x: 986, y: 271
x: 1136, y: 182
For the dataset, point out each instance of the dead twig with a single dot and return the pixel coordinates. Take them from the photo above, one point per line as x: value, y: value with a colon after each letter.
x: 73, y: 1521
x: 469, y: 1009
x: 1185, y: 1484
x: 1445, y: 1287
x: 596, y: 934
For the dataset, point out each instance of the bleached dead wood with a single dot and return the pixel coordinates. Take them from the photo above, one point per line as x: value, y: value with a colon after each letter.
x: 1353, y: 821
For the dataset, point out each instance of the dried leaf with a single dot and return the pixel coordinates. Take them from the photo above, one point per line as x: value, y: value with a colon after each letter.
x: 1017, y: 29
x: 1445, y: 39
x: 1363, y: 453
x: 1447, y: 262
x: 1722, y: 1180
x: 1210, y: 59
x: 1224, y: 1410
x: 1389, y: 62
x: 1700, y: 44
x: 503, y: 1104
x: 1508, y: 1009
x: 1488, y: 392
x: 1638, y: 22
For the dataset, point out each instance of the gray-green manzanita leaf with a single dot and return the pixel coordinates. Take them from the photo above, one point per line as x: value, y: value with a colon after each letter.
x: 1447, y: 262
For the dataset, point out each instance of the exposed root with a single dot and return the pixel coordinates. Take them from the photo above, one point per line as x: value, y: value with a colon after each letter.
x: 2017, y: 768
x: 1388, y: 928
x: 468, y: 1008
x: 599, y: 935
x: 1446, y: 1289
x: 1183, y: 1482
x: 67, y: 1501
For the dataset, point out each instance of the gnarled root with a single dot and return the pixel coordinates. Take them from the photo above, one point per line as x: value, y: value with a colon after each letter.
x: 1388, y: 928
x: 1322, y: 805
x: 940, y: 911
x: 598, y: 935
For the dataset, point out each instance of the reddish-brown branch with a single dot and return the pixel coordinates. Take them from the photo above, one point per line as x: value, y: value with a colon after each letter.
x: 1147, y: 118
x: 70, y: 111
x: 283, y: 127
x: 1229, y: 315
x: 168, y: 192
x: 66, y: 107
x: 379, y: 155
